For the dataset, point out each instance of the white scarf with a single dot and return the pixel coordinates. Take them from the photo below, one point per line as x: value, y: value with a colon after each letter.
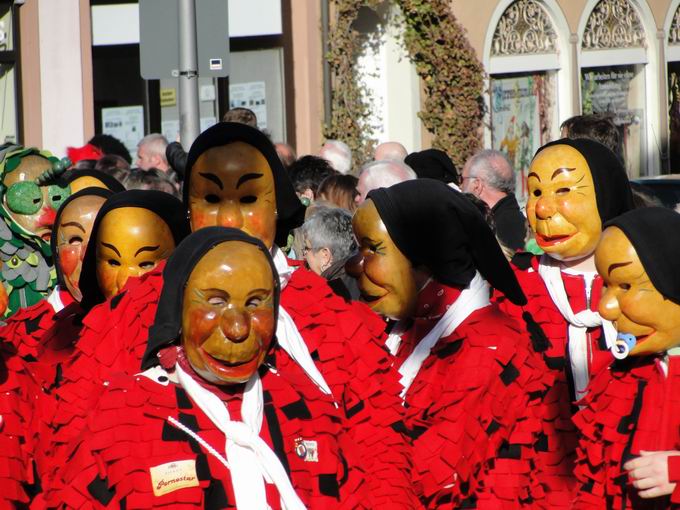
x: 474, y: 297
x: 287, y: 333
x: 577, y: 339
x: 54, y: 299
x: 250, y: 459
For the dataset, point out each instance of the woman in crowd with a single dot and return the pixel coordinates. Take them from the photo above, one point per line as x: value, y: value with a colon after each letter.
x: 328, y: 241
x: 340, y: 190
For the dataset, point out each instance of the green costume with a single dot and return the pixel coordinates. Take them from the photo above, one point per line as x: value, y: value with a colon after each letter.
x: 27, y: 272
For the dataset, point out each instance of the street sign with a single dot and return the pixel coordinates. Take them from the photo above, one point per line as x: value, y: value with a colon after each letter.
x: 159, y: 38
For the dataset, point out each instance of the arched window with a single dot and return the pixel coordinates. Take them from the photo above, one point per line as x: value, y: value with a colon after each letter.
x: 524, y: 60
x: 674, y: 91
x: 614, y: 34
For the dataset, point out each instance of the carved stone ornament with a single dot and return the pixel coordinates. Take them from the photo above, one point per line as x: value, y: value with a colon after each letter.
x: 674, y: 33
x: 613, y: 24
x: 524, y: 29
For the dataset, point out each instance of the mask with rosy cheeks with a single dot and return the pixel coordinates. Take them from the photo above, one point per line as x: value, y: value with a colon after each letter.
x: 31, y: 206
x: 73, y: 233
x: 130, y: 241
x: 228, y: 319
x: 562, y: 207
x: 385, y: 276
x: 233, y: 186
x: 631, y: 301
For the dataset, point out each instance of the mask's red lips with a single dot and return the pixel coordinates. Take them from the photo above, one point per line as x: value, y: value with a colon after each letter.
x: 545, y: 241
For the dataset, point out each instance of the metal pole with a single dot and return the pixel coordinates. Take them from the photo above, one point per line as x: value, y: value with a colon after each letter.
x: 188, y: 74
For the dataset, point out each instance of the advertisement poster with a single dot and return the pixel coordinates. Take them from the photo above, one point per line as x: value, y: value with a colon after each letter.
x: 251, y: 95
x: 125, y: 123
x: 619, y: 91
x: 515, y: 123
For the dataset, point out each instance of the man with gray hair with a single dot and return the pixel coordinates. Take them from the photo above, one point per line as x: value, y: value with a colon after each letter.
x: 151, y: 152
x: 490, y: 176
x: 338, y: 154
x: 382, y: 174
x: 390, y: 151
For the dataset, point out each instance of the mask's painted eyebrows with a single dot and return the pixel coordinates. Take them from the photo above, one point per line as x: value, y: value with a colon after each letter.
x: 74, y: 224
x: 146, y: 248
x: 212, y: 178
x: 616, y: 266
x: 111, y: 247
x: 534, y: 174
x: 247, y: 177
x: 560, y: 171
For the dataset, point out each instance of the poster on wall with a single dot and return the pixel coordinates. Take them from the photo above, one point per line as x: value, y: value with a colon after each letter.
x: 516, y: 124
x: 125, y: 123
x: 251, y: 95
x: 619, y: 91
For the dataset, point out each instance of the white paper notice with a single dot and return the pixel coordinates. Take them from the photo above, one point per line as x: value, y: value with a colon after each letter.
x: 206, y: 122
x: 170, y: 130
x: 251, y: 95
x: 125, y: 123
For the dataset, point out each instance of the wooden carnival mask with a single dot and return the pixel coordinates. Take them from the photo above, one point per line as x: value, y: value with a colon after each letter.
x: 233, y: 186
x: 562, y: 207
x: 228, y: 320
x: 385, y: 276
x: 31, y: 206
x: 631, y: 301
x: 130, y: 241
x: 86, y: 181
x: 73, y: 232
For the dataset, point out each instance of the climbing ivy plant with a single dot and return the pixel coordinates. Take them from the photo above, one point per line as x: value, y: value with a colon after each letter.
x: 452, y: 76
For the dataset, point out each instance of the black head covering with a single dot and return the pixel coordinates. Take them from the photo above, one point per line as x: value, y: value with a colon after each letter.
x: 437, y: 227
x: 290, y: 211
x: 612, y: 189
x: 167, y: 324
x: 433, y: 164
x: 163, y: 204
x: 86, y: 192
x: 109, y: 181
x: 654, y: 233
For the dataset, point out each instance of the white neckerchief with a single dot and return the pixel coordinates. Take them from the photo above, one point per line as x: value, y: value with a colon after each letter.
x: 250, y: 458
x: 287, y: 333
x: 474, y: 297
x: 577, y: 340
x: 55, y: 300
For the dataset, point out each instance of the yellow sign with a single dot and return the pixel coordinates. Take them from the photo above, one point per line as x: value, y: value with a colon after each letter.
x: 168, y: 97
x: 173, y: 476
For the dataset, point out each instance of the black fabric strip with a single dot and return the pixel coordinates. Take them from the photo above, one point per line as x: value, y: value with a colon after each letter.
x: 509, y: 374
x: 32, y: 325
x: 328, y: 486
x: 275, y: 430
x: 183, y: 401
x: 216, y: 496
x: 99, y: 490
x: 296, y: 410
x: 630, y: 428
x: 356, y: 408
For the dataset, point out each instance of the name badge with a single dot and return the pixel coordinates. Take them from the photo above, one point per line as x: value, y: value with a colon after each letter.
x: 173, y: 476
x: 307, y: 450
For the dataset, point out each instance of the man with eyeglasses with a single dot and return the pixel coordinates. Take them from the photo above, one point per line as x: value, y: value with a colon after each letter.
x: 490, y: 176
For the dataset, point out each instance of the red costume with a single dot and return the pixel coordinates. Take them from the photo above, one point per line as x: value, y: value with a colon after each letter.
x: 16, y: 440
x: 344, y: 339
x: 633, y: 406
x: 131, y: 434
x: 555, y: 463
x: 469, y: 409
